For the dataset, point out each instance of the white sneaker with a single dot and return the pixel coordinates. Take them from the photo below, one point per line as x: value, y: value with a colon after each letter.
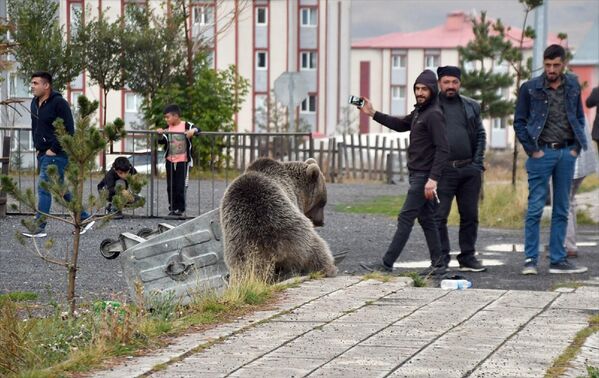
x: 87, y: 227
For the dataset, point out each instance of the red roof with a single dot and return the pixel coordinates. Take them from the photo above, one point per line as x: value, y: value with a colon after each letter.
x: 457, y: 31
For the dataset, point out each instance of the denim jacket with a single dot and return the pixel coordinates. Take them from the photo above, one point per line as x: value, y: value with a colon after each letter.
x: 532, y: 108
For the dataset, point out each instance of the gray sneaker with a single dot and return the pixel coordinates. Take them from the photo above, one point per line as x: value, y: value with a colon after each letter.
x: 433, y: 271
x: 376, y: 266
x: 566, y: 267
x: 530, y: 267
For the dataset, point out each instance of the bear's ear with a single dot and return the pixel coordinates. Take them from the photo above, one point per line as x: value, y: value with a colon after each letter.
x: 311, y: 161
x: 313, y: 172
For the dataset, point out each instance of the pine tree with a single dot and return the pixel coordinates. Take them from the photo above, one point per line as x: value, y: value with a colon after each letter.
x: 81, y: 148
x: 481, y: 80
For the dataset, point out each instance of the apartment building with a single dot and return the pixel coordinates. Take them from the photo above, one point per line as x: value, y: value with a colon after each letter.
x: 385, y: 67
x: 268, y: 38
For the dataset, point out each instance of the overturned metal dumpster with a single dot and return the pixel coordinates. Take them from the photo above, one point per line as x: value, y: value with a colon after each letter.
x: 172, y: 262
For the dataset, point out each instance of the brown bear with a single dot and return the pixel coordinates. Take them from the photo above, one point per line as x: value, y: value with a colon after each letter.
x: 268, y: 216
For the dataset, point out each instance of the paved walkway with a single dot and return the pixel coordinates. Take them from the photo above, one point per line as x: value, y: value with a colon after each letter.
x: 347, y: 327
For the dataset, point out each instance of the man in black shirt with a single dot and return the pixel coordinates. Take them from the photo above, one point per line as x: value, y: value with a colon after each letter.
x: 427, y: 157
x: 462, y: 177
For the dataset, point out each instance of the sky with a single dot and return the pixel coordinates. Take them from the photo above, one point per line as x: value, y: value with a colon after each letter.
x: 376, y: 17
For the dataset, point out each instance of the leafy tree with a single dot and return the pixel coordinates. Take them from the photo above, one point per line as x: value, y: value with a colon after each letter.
x: 154, y: 58
x: 81, y: 148
x: 485, y: 52
x: 104, y: 56
x: 40, y: 42
x: 209, y: 103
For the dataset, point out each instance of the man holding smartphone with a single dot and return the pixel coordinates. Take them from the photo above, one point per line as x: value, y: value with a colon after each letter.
x: 427, y: 157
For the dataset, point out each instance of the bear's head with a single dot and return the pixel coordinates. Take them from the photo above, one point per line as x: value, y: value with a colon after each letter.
x: 314, y: 193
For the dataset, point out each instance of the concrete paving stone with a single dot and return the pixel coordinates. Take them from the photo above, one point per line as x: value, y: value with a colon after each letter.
x: 511, y: 367
x: 376, y: 313
x: 273, y: 372
x: 520, y: 298
x: 426, y: 371
x: 308, y: 348
x: 415, y: 296
x: 335, y: 371
x: 383, y: 357
x: 588, y: 300
x: 354, y: 331
x: 401, y: 337
x: 269, y: 361
x: 280, y: 329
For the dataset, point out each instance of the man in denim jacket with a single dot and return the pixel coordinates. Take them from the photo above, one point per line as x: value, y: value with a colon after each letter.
x: 549, y: 122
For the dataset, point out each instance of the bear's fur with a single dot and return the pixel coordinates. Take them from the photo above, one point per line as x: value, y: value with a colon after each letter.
x: 268, y: 216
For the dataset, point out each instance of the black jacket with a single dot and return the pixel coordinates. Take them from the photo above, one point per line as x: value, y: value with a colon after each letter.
x: 476, y: 131
x: 42, y: 117
x: 110, y: 179
x: 164, y: 140
x: 593, y: 100
x: 428, y: 150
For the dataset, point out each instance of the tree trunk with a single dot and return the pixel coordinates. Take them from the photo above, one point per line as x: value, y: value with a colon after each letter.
x: 102, y: 125
x: 72, y: 268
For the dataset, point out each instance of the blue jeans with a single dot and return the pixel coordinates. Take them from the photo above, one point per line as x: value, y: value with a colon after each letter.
x: 416, y: 207
x: 557, y: 164
x: 44, y: 197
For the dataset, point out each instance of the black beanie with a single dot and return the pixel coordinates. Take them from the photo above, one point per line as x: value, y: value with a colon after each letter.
x: 449, y: 71
x: 428, y: 78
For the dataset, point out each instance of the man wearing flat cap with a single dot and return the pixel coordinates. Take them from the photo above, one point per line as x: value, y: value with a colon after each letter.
x: 462, y: 176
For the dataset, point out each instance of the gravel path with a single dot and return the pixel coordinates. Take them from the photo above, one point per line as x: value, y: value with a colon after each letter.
x: 364, y: 236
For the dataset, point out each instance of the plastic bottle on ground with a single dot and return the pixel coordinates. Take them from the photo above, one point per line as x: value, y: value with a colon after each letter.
x: 455, y: 284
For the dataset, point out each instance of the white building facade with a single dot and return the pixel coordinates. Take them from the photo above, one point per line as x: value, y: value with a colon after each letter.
x: 266, y: 39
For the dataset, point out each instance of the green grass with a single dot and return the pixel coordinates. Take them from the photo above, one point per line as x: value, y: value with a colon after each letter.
x: 419, y: 281
x: 55, y: 346
x: 590, y: 183
x: 18, y: 296
x: 503, y: 206
x: 384, y: 205
x: 561, y: 363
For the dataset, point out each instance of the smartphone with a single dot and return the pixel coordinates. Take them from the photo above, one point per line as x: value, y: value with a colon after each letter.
x: 355, y: 100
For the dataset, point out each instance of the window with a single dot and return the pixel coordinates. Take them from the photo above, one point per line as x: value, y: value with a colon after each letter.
x: 203, y: 15
x: 398, y: 61
x: 131, y: 8
x: 309, y: 104
x: 308, y: 60
x: 261, y: 16
x: 18, y: 86
x: 132, y: 102
x: 431, y: 61
x: 77, y: 83
x: 308, y: 16
x: 498, y: 123
x: 398, y: 92
x: 76, y: 17
x: 261, y: 61
x: 75, y: 93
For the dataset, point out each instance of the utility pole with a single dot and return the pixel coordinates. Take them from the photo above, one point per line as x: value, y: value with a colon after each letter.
x: 540, y: 42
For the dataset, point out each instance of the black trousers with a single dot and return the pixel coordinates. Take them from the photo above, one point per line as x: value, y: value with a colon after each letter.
x: 415, y: 206
x: 464, y: 184
x: 176, y: 175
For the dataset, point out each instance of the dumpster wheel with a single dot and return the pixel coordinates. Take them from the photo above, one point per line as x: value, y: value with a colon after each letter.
x: 105, y: 250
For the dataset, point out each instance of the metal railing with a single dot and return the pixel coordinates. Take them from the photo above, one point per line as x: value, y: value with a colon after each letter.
x: 223, y: 156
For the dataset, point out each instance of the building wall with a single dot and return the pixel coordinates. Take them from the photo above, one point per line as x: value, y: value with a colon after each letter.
x: 283, y: 38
